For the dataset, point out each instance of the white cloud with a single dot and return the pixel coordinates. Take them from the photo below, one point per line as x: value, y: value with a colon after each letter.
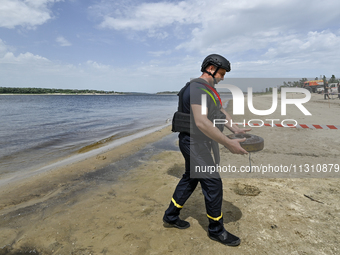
x: 98, y: 66
x: 26, y: 58
x: 30, y: 70
x: 151, y: 16
x: 28, y: 13
x: 313, y: 50
x: 232, y: 28
x: 8, y: 57
x: 154, y: 18
x: 62, y: 41
x: 224, y: 26
x: 262, y: 38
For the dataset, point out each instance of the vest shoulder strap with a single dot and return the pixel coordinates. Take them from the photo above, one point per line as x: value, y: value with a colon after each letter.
x: 181, y: 92
x: 180, y: 99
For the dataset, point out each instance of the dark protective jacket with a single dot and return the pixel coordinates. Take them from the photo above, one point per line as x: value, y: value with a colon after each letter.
x: 183, y: 120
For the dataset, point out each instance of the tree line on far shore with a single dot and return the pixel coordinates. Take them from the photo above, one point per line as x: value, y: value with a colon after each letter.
x: 300, y: 83
x: 8, y: 90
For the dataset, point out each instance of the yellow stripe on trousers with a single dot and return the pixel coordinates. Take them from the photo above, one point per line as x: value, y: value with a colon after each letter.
x: 216, y: 219
x: 177, y: 205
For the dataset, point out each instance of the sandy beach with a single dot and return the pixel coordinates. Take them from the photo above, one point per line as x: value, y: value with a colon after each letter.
x: 113, y: 202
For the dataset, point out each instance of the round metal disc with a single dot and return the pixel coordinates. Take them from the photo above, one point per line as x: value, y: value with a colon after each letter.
x: 252, y: 144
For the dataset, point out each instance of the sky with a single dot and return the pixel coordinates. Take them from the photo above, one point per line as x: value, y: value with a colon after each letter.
x: 151, y: 46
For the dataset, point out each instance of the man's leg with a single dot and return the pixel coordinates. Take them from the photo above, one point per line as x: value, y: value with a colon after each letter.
x: 184, y: 188
x: 213, y: 194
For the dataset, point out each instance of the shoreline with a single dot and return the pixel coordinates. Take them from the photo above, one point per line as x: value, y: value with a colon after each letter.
x: 82, y: 154
x: 92, y: 94
x: 63, y: 171
x: 56, y: 127
x: 88, y: 208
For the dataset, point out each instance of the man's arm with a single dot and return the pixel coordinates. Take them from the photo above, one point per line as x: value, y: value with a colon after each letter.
x: 207, y: 128
x: 235, y: 129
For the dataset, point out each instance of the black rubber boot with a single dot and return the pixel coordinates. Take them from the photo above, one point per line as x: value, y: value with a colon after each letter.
x: 226, y: 238
x: 181, y: 224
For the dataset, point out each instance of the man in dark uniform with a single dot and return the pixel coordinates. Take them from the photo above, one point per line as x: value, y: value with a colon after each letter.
x: 325, y: 87
x: 196, y: 146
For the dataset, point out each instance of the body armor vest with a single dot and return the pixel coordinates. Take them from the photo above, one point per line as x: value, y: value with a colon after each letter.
x: 184, y: 122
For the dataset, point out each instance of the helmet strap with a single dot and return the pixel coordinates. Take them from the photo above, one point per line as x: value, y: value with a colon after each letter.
x: 213, y: 75
x: 217, y: 68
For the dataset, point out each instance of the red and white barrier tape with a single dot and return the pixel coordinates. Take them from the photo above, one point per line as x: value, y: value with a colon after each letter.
x: 299, y: 126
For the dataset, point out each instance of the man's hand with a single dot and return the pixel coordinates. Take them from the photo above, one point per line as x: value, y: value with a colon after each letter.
x: 206, y: 126
x: 241, y: 130
x: 235, y: 147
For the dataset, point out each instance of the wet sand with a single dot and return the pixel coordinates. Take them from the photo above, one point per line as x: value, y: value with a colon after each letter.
x: 113, y: 202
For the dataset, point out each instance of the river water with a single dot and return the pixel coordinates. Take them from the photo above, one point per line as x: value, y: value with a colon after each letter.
x: 37, y: 129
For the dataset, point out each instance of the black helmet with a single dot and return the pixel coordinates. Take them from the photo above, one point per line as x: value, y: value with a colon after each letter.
x: 216, y: 60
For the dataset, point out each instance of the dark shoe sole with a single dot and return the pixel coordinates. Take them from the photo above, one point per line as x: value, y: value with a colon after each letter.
x: 236, y: 243
x: 169, y: 225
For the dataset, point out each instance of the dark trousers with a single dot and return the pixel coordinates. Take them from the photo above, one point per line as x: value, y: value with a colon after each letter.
x: 198, y: 153
x: 326, y: 94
